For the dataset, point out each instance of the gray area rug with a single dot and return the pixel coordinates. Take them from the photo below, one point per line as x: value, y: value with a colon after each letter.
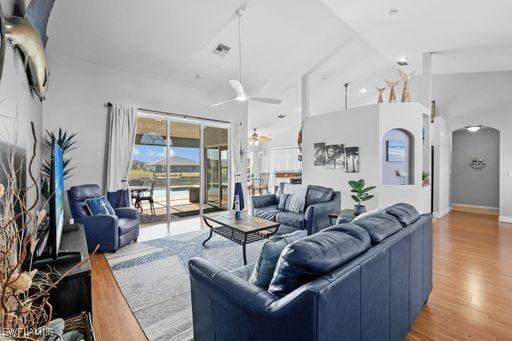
x: 154, y: 279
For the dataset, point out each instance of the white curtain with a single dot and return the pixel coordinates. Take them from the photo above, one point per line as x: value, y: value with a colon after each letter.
x: 122, y: 121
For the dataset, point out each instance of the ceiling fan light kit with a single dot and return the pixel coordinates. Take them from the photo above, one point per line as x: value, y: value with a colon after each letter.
x: 241, y: 94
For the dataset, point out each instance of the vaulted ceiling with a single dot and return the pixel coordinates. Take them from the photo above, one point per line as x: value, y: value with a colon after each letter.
x: 337, y: 41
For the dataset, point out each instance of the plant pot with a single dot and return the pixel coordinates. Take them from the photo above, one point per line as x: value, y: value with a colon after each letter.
x: 359, y: 209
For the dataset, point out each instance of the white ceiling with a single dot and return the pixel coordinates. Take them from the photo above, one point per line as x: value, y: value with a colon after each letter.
x: 433, y: 25
x: 338, y: 41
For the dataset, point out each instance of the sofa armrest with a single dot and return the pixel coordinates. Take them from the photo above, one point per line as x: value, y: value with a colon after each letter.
x: 264, y: 200
x: 317, y: 215
x: 102, y: 230
x: 127, y: 212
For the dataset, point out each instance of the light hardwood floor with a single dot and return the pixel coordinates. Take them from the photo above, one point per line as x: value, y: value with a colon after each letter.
x: 472, y: 296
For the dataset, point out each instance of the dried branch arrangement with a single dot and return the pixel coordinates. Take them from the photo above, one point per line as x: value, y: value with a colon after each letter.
x: 25, y: 310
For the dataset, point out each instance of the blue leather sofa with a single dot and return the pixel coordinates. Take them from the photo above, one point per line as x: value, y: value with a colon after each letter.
x: 109, y: 231
x: 319, y: 202
x: 370, y: 288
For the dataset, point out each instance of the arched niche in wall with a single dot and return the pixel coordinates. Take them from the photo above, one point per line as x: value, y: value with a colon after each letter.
x: 398, y: 158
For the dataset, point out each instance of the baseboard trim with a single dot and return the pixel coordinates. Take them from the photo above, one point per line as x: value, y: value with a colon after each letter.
x: 442, y: 213
x: 505, y: 219
x: 476, y: 209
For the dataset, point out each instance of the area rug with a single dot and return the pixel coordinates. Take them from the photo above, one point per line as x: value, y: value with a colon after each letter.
x: 154, y: 279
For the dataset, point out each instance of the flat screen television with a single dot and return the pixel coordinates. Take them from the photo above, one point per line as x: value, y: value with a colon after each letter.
x: 53, y: 235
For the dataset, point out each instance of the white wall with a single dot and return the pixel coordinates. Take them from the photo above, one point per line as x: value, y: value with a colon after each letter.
x: 441, y: 140
x: 358, y: 127
x: 365, y: 128
x: 80, y: 91
x: 18, y: 102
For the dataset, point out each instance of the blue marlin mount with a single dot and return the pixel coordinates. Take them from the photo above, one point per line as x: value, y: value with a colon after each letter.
x: 28, y: 34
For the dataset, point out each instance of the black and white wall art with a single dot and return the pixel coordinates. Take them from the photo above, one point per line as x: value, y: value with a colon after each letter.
x: 319, y: 156
x: 330, y: 156
x: 340, y: 156
x: 352, y: 159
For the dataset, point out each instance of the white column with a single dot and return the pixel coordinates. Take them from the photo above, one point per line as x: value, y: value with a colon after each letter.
x: 427, y: 73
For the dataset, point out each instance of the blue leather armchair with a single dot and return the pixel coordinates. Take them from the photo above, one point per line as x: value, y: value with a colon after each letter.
x: 320, y: 201
x: 109, y: 231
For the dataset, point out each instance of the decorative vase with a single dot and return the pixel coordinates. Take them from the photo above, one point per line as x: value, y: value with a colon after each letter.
x: 381, y: 98
x: 359, y: 209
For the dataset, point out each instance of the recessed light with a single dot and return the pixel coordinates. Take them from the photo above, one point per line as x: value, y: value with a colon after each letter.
x: 402, y: 61
x: 391, y: 12
x: 473, y: 129
x: 363, y: 90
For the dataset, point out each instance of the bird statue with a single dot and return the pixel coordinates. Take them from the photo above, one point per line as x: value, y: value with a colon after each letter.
x: 381, y: 91
x: 406, y: 96
x: 392, y: 96
x: 28, y: 33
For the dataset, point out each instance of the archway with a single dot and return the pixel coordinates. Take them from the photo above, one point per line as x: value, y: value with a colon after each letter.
x: 476, y: 168
x: 398, y: 158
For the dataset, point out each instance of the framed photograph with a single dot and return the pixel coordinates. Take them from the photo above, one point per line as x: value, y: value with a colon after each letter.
x: 319, y: 154
x: 330, y: 156
x: 352, y: 159
x: 395, y: 151
x: 340, y: 156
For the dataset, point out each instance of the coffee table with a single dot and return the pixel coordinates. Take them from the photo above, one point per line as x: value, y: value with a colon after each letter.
x: 247, y: 230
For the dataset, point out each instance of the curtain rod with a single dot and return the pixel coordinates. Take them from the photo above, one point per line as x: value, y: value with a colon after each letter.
x: 109, y: 105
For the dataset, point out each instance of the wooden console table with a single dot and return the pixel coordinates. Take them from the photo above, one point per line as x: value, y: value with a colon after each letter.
x: 73, y: 295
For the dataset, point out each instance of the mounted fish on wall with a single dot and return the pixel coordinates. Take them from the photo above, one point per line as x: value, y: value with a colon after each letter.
x: 28, y: 33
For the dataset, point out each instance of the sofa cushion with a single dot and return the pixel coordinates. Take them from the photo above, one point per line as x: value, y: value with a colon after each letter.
x: 126, y: 225
x: 282, y: 201
x: 353, y: 230
x: 318, y: 194
x: 267, y: 212
x: 269, y: 254
x: 379, y: 226
x: 314, y: 256
x: 293, y: 219
x: 405, y: 213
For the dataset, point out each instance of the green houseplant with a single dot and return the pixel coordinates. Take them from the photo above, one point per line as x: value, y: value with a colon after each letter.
x: 67, y: 143
x: 360, y: 194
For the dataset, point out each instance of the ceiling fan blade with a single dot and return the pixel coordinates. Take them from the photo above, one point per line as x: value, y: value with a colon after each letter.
x: 266, y: 100
x: 223, y: 102
x: 237, y: 86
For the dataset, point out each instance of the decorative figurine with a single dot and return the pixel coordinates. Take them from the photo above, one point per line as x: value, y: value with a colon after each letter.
x: 391, y: 84
x: 381, y: 91
x: 406, y: 96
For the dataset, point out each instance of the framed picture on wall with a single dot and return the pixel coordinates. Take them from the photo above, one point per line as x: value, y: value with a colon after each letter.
x: 330, y: 156
x: 395, y: 151
x: 340, y: 156
x: 352, y: 159
x: 319, y: 154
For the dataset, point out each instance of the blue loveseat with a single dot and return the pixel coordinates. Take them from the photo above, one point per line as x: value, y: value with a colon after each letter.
x: 319, y: 202
x: 109, y: 231
x: 366, y: 280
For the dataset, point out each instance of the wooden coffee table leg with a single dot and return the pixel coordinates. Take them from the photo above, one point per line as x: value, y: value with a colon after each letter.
x: 211, y: 231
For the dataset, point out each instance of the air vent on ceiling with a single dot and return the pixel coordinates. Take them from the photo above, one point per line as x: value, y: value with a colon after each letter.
x: 222, y: 50
x: 281, y: 116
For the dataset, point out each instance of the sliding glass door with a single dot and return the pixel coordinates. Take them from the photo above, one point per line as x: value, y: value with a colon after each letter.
x: 216, y: 168
x: 179, y: 169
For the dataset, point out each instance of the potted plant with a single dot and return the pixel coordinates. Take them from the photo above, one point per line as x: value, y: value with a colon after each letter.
x: 360, y: 194
x: 425, y: 178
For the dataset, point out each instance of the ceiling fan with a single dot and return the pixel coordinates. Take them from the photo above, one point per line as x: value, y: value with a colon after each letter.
x: 241, y: 94
x: 255, y: 139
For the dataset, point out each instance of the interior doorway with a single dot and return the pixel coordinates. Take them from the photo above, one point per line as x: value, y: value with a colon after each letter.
x: 476, y: 169
x: 180, y: 168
